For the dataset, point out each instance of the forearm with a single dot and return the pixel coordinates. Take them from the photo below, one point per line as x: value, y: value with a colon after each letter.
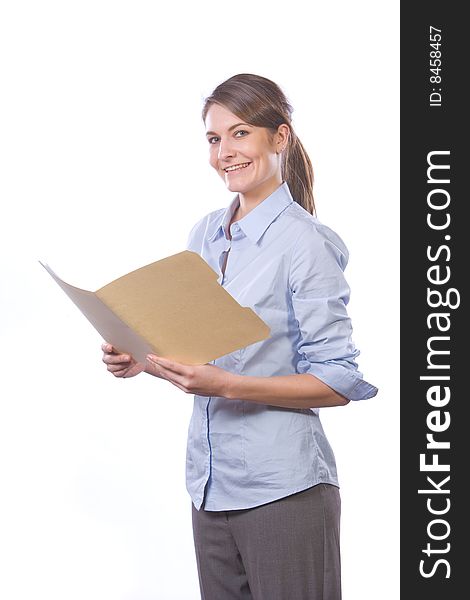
x: 289, y: 391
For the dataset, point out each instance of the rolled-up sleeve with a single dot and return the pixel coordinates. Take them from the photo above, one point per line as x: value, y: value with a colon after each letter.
x: 320, y: 293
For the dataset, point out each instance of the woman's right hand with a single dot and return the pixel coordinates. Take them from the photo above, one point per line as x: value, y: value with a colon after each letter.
x: 120, y: 365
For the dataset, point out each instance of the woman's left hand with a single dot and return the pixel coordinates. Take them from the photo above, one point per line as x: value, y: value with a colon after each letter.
x: 203, y: 380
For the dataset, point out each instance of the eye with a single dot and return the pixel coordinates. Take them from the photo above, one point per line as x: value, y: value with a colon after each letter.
x: 212, y: 138
x: 240, y: 131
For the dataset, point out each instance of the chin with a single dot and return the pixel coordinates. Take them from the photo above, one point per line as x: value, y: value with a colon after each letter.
x: 239, y: 186
x: 234, y: 188
x: 231, y: 185
x: 239, y: 189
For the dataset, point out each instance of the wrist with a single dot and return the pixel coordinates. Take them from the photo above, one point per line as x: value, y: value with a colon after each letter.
x: 232, y: 386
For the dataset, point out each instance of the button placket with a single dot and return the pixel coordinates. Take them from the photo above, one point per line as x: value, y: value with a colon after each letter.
x: 223, y: 263
x: 223, y: 260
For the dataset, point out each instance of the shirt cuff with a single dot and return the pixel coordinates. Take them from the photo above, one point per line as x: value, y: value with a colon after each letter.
x: 347, y: 382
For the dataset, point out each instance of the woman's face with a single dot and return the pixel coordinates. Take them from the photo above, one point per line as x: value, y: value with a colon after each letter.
x: 243, y: 155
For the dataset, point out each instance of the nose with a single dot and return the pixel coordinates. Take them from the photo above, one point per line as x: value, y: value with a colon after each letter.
x: 225, y: 149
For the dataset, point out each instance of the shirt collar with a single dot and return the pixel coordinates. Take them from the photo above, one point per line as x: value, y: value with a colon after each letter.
x: 255, y: 223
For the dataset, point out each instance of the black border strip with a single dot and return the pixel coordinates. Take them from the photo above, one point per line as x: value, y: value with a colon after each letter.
x: 433, y: 299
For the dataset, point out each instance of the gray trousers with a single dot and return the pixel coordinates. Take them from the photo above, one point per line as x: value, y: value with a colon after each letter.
x: 284, y: 550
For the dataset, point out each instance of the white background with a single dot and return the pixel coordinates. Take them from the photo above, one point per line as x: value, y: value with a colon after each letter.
x: 104, y: 169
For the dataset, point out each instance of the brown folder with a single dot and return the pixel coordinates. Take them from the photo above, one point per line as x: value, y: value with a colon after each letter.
x: 173, y: 308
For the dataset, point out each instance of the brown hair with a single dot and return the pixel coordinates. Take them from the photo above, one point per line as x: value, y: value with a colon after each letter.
x: 262, y: 103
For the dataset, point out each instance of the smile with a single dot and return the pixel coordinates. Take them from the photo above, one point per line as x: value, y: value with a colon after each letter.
x: 236, y: 167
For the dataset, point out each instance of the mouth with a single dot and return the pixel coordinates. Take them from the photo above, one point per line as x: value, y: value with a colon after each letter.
x: 236, y: 168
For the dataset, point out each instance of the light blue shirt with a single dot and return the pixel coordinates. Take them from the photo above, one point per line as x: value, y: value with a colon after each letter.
x: 288, y: 267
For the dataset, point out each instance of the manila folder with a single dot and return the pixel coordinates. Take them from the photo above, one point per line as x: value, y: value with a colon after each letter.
x: 174, y: 308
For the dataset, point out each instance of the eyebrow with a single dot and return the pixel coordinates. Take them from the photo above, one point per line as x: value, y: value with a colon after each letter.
x: 230, y: 128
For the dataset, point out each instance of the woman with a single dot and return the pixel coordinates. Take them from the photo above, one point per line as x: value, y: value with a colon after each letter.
x: 260, y: 471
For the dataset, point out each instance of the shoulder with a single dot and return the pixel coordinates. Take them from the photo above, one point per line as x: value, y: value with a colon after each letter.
x: 209, y: 221
x: 205, y: 226
x: 314, y: 239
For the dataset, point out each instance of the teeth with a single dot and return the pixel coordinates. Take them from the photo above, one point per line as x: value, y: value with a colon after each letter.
x: 236, y: 167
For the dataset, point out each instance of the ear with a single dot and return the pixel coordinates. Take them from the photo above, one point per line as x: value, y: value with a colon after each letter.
x: 282, y: 136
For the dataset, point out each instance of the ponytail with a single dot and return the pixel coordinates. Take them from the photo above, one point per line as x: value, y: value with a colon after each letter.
x: 297, y: 171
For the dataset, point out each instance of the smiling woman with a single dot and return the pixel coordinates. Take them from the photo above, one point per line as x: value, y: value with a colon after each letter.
x: 246, y: 157
x: 245, y: 97
x: 260, y: 471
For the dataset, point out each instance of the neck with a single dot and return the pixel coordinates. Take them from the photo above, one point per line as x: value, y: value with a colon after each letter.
x: 250, y: 200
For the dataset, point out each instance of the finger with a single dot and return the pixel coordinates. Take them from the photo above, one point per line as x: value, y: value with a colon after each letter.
x: 108, y: 348
x: 171, y: 377
x: 120, y: 373
x: 114, y: 359
x: 174, y: 378
x: 169, y: 365
x: 181, y: 387
x: 157, y: 370
x: 116, y: 368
